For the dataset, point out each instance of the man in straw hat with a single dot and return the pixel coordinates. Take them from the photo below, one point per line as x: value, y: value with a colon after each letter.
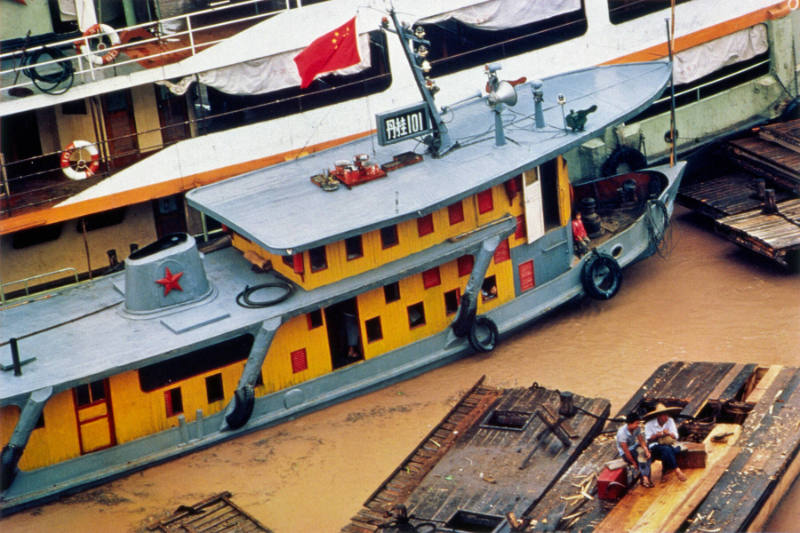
x: 661, y: 434
x: 632, y: 447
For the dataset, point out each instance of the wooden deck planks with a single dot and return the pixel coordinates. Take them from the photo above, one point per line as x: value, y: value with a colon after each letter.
x: 770, y: 442
x: 667, y: 506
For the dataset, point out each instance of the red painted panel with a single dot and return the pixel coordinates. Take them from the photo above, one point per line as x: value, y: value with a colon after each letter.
x: 465, y: 263
x: 425, y: 225
x: 520, y: 232
x: 485, y: 202
x: 456, y: 212
x: 431, y: 278
x: 502, y: 252
x: 527, y: 279
x: 299, y: 360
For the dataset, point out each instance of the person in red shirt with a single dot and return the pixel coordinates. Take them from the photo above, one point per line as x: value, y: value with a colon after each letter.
x: 579, y: 235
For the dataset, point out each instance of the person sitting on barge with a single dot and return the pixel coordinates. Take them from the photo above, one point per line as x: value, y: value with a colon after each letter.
x: 661, y: 434
x: 630, y: 441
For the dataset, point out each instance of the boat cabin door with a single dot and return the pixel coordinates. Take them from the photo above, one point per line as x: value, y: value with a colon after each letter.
x: 344, y: 333
x: 95, y: 419
x: 532, y: 196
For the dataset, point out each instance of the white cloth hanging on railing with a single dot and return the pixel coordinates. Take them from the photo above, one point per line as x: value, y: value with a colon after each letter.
x: 503, y: 14
x: 81, y: 10
x: 263, y: 75
x: 698, y: 61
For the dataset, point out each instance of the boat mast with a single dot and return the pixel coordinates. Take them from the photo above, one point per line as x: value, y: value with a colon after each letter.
x: 440, y: 142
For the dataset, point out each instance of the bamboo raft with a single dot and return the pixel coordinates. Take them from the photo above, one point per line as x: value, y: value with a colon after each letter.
x: 494, y: 455
x: 747, y: 419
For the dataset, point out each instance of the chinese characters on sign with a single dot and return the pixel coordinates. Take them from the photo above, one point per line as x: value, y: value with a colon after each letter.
x: 402, y: 124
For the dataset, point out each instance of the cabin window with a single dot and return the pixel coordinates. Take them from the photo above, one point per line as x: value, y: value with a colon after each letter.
x: 451, y: 301
x: 354, y: 247
x: 489, y: 288
x: 214, y: 391
x: 485, y: 201
x: 317, y: 259
x: 502, y: 252
x: 519, y: 232
x: 456, y: 213
x: 194, y: 363
x: 389, y: 236
x: 425, y: 225
x: 416, y: 315
x: 101, y: 220
x: 374, y: 331
x: 431, y: 278
x: 465, y: 263
x: 299, y: 360
x: 91, y: 393
x: 457, y: 45
x: 78, y: 107
x: 314, y: 319
x: 527, y: 279
x: 33, y: 236
x: 173, y: 401
x: 391, y: 292
x: 625, y: 10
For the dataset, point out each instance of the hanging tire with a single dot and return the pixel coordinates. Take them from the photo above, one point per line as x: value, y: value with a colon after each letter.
x: 601, y: 277
x: 483, y: 335
x: 632, y: 158
x: 243, y: 402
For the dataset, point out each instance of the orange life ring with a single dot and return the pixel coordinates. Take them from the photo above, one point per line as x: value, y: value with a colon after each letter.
x: 84, y: 169
x: 93, y: 56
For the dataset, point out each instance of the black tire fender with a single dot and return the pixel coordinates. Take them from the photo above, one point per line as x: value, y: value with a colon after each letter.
x: 601, y: 276
x: 483, y: 335
x: 631, y: 157
x: 243, y: 402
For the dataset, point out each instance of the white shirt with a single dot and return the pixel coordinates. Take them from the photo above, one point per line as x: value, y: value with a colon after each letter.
x: 652, y: 427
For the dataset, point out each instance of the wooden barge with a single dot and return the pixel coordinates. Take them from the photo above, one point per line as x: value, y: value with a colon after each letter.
x: 216, y: 514
x: 738, y: 423
x: 494, y: 454
x: 757, y: 203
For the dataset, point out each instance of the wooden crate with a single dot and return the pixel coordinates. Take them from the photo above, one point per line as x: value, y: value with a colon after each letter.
x: 694, y: 456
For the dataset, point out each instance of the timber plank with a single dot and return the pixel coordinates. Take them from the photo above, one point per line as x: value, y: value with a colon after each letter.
x: 732, y: 374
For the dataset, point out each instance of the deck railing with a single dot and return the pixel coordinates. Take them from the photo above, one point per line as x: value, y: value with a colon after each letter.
x: 61, y: 64
x: 26, y: 281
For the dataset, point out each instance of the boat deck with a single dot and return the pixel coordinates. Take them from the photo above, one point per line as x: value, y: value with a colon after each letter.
x: 750, y: 463
x: 493, y: 454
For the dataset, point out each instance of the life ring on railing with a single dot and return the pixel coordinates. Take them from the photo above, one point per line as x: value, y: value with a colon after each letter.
x: 632, y: 158
x: 483, y: 335
x: 601, y: 276
x: 243, y: 402
x: 94, y: 56
x: 85, y: 169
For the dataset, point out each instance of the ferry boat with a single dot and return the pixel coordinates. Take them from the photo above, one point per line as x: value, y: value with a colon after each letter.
x: 104, y: 109
x: 349, y: 269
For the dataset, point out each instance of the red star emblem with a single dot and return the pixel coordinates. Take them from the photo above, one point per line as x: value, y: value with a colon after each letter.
x: 170, y: 281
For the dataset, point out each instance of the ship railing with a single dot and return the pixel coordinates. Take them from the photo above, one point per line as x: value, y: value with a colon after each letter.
x: 17, y: 74
x: 26, y: 282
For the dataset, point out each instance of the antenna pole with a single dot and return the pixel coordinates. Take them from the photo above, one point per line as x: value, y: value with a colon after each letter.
x: 671, y: 97
x: 441, y: 138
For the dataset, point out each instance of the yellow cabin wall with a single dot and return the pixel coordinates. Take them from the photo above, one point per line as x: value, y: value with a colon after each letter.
x: 56, y: 441
x: 145, y: 114
x: 564, y: 192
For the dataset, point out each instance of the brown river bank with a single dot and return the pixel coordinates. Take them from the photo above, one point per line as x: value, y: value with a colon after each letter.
x: 706, y: 301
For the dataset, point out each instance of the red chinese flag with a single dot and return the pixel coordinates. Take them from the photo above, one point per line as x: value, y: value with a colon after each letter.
x: 335, y: 50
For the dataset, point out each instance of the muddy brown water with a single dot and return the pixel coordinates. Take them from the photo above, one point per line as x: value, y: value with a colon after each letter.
x: 706, y: 301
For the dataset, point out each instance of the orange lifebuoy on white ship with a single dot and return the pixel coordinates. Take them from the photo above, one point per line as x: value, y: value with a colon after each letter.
x: 84, y: 169
x: 94, y: 56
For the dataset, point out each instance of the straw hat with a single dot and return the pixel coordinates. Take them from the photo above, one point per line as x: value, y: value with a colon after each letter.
x: 660, y: 409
